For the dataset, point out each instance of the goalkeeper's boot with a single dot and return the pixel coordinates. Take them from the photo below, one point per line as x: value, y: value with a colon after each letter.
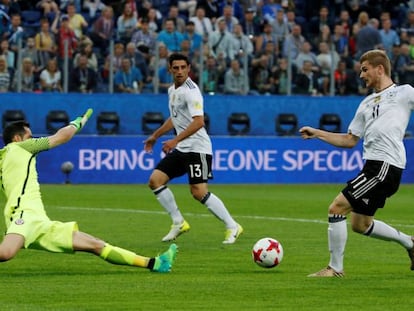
x: 164, y: 262
x: 176, y: 230
x: 232, y: 234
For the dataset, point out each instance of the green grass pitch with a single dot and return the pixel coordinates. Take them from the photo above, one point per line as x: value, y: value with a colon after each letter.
x: 208, y: 275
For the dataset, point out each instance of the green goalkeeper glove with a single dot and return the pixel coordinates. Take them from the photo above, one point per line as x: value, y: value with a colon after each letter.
x: 79, y: 122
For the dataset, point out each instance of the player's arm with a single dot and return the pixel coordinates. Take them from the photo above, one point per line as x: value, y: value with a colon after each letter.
x: 66, y: 133
x: 164, y: 128
x: 345, y: 140
x: 194, y: 126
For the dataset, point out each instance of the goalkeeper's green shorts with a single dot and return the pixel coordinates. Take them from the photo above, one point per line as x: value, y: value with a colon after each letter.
x: 40, y: 232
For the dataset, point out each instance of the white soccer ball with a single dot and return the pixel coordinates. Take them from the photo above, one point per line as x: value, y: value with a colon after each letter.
x: 267, y: 253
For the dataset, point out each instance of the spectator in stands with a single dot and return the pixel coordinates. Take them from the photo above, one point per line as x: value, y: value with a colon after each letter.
x: 145, y: 37
x: 228, y: 17
x: 212, y: 76
x: 353, y: 83
x: 405, y: 66
x: 160, y: 60
x: 340, y: 78
x: 138, y: 60
x: 51, y: 77
x: 93, y: 7
x: 9, y: 55
x: 324, y: 35
x: 327, y: 61
x: 202, y: 24
x: 47, y: 7
x: 30, y: 51
x: 345, y: 20
x: 27, y: 77
x: 389, y: 37
x: 170, y: 36
x: 188, y: 6
x: 45, y: 43
x: 251, y: 24
x: 221, y: 43
x: 63, y: 5
x: 116, y: 59
x: 66, y: 38
x: 261, y: 82
x: 128, y: 79
x: 236, y: 9
x: 4, y: 75
x: 165, y: 79
x: 280, y: 27
x: 126, y: 24
x: 306, y: 54
x: 76, y: 21
x: 269, y: 9
x: 293, y: 43
x: 82, y: 78
x: 195, y: 39
x: 318, y: 22
x: 306, y: 81
x: 265, y: 36
x: 242, y: 46
x: 271, y: 51
x: 211, y: 8
x: 368, y: 36
x: 235, y: 80
x: 154, y: 20
x: 340, y: 40
x: 15, y: 33
x: 103, y: 30
x: 179, y: 22
x: 408, y: 24
x: 87, y: 50
x: 280, y: 78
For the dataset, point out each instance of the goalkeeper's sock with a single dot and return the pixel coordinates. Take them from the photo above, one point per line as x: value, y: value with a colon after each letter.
x: 120, y: 256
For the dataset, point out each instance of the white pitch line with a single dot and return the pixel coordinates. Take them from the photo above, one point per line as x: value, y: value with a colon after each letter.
x: 255, y: 217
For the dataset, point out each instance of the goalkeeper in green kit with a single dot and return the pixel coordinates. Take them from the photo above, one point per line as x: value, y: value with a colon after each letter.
x: 27, y: 223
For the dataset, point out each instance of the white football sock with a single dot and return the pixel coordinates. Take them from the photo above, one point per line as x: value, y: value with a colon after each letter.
x: 337, y: 236
x: 217, y: 208
x: 382, y: 231
x: 166, y: 198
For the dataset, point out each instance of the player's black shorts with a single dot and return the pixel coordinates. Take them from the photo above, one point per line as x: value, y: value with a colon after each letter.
x: 196, y: 165
x: 374, y: 184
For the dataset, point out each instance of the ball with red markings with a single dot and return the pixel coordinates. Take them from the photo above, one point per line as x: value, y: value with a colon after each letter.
x: 267, y: 252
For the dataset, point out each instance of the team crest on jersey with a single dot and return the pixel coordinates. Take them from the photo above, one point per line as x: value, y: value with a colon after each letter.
x: 377, y: 99
x: 19, y: 221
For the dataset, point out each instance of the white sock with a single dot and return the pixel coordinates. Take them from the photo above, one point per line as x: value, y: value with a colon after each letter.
x: 337, y: 236
x: 217, y: 208
x: 166, y: 198
x: 380, y: 230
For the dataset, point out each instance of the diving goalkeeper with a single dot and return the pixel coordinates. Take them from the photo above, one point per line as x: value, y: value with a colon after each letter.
x: 27, y: 223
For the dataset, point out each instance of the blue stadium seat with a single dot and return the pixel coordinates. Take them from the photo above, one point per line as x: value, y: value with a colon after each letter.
x: 31, y: 21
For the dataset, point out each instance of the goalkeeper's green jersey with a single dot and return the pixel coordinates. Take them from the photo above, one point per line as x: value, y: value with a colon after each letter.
x: 18, y: 174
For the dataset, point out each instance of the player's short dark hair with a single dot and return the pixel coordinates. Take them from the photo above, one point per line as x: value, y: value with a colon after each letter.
x: 177, y: 56
x: 14, y: 128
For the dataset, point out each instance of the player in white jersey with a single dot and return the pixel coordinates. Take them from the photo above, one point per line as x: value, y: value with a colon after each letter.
x: 188, y: 152
x: 381, y: 120
x: 27, y: 224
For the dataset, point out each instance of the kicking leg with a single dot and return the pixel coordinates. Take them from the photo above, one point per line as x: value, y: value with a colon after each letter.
x: 119, y: 256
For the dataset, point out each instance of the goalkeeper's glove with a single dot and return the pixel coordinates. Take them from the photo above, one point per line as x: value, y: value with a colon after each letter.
x: 79, y: 122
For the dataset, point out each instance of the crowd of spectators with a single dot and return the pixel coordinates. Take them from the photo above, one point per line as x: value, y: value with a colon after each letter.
x: 308, y: 47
